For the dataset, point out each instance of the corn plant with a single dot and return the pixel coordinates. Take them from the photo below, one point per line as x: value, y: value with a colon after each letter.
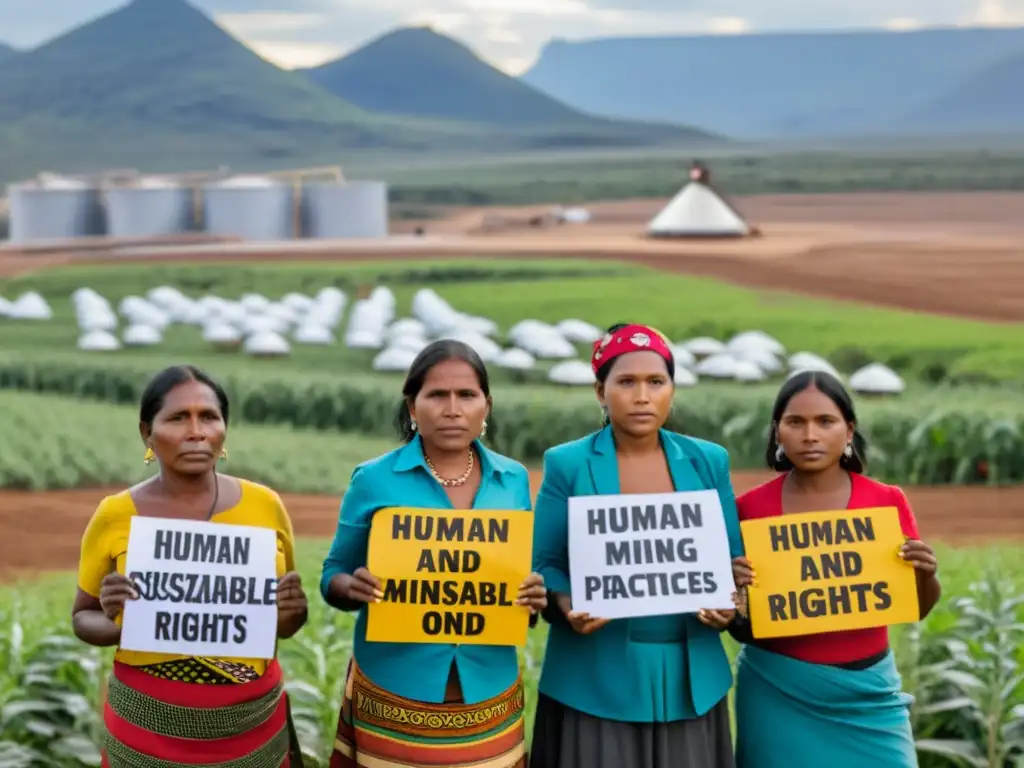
x: 47, y: 713
x: 982, y: 678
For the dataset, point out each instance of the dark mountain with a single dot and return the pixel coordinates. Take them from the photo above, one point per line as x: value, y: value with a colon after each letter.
x: 6, y: 51
x: 416, y: 71
x: 991, y: 101
x: 156, y: 84
x: 778, y: 85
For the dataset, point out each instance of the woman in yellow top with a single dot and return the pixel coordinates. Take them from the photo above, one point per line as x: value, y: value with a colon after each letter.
x: 163, y: 709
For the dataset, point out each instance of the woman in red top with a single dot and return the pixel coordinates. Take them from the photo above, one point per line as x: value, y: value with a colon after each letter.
x: 831, y: 698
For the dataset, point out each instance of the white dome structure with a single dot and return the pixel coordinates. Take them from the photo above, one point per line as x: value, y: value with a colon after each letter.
x: 99, y: 341
x: 222, y: 335
x: 142, y: 336
x: 394, y: 360
x: 571, y: 373
x: 266, y: 344
x: 877, y: 379
x: 515, y: 359
x: 703, y: 346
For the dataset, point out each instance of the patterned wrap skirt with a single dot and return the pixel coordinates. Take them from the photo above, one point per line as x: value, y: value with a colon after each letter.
x: 159, y: 723
x: 377, y: 729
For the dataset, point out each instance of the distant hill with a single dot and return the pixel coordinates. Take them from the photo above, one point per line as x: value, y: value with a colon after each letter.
x: 990, y: 101
x: 416, y: 71
x: 158, y: 85
x: 772, y: 85
x: 6, y: 51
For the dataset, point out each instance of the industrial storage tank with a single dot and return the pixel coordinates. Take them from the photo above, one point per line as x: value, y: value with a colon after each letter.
x: 353, y: 210
x: 250, y: 207
x: 54, y: 208
x: 151, y: 207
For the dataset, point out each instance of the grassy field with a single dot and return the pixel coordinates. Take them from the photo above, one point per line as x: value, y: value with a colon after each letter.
x: 50, y: 443
x: 582, y: 177
x: 508, y: 290
x: 969, y: 651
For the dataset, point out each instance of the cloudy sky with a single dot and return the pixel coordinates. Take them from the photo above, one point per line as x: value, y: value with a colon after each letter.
x: 508, y: 33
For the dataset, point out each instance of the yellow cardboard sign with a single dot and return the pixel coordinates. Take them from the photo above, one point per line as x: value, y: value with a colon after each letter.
x: 828, y: 571
x: 449, y: 576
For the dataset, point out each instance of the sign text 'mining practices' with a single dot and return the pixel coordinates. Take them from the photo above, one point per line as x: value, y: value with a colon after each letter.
x: 649, y: 554
x: 449, y: 576
x: 828, y: 571
x: 205, y: 589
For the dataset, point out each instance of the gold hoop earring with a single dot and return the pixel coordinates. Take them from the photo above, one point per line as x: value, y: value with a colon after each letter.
x: 149, y: 457
x: 224, y: 453
x: 483, y: 430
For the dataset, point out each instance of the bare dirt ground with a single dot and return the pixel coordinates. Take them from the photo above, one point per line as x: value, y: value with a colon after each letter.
x: 957, y: 254
x: 42, y: 531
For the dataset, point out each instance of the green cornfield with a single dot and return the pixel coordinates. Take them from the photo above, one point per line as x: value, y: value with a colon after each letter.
x: 59, y: 409
x: 964, y: 665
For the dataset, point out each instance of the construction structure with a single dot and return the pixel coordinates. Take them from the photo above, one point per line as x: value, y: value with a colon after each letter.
x: 699, y: 211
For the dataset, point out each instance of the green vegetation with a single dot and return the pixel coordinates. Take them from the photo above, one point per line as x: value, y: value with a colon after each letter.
x: 964, y: 665
x: 51, y: 443
x: 158, y: 85
x: 581, y: 178
x: 951, y: 437
x: 920, y: 346
x: 940, y: 431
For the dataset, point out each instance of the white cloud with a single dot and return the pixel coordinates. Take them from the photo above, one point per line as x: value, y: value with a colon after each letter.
x: 902, y: 24
x: 509, y: 33
x: 728, y: 25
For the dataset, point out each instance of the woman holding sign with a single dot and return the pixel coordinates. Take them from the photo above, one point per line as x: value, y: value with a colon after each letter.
x: 647, y: 692
x: 830, y: 698
x: 419, y: 703
x: 190, y: 708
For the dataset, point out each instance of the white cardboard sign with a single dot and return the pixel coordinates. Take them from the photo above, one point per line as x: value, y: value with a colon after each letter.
x: 649, y: 554
x: 205, y: 589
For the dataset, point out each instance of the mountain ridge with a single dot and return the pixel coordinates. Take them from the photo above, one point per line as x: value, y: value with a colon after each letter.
x: 773, y: 84
x: 419, y: 72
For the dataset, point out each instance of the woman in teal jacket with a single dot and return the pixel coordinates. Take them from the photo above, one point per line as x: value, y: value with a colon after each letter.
x: 630, y: 693
x: 408, y: 705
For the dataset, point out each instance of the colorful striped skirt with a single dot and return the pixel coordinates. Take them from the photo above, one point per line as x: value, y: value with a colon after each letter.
x: 156, y: 723
x: 378, y: 729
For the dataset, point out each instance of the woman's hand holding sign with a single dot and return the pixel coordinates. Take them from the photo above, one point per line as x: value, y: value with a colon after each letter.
x: 716, y: 619
x: 580, y: 621
x: 115, y: 591
x: 363, y: 587
x: 920, y: 555
x: 533, y: 593
x: 292, y: 608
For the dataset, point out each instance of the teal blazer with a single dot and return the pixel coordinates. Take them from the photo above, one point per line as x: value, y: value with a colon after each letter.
x: 401, y: 478
x: 647, y: 670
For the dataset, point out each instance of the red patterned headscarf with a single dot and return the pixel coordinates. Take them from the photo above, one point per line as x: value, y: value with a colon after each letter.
x: 631, y: 338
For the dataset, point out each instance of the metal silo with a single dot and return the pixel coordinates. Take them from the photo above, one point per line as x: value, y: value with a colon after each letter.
x: 354, y: 210
x: 54, y: 208
x: 250, y: 207
x: 151, y: 207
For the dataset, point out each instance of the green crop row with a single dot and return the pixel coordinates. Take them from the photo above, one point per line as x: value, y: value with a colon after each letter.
x: 963, y: 665
x: 54, y: 443
x: 960, y: 438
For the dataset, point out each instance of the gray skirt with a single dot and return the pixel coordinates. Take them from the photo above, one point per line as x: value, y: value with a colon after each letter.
x: 566, y: 738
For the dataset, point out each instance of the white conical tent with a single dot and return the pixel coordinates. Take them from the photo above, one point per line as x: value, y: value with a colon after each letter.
x: 698, y: 211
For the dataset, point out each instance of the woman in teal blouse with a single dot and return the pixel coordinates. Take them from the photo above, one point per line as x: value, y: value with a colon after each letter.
x: 630, y: 693
x: 411, y: 705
